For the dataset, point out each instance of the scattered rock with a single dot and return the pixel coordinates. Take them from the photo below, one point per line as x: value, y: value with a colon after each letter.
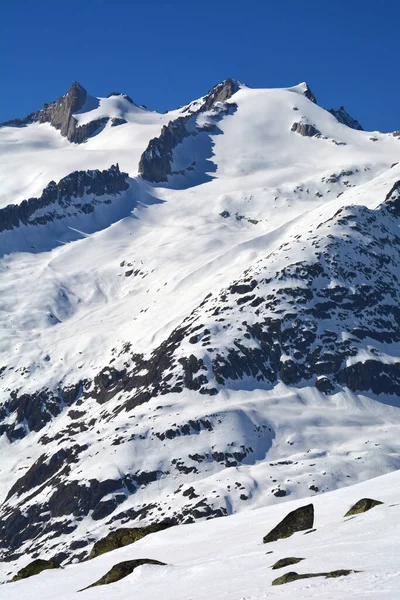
x: 122, y: 570
x: 297, y: 520
x: 293, y: 576
x: 34, y: 568
x: 306, y: 130
x: 285, y: 562
x: 124, y: 537
x: 362, y: 506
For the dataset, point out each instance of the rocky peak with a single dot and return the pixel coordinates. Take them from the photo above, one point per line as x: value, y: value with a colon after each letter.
x: 343, y: 117
x: 60, y: 115
x: 220, y: 92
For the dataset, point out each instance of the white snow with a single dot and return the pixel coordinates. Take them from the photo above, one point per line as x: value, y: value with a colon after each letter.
x: 225, y: 558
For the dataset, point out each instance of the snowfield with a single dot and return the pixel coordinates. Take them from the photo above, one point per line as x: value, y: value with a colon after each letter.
x: 226, y: 559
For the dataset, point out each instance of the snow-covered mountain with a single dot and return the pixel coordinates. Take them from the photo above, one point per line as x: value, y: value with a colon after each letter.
x: 199, y: 311
x: 226, y: 558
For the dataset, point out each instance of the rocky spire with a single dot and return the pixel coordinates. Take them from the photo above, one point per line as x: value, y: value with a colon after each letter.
x: 343, y: 117
x: 60, y: 115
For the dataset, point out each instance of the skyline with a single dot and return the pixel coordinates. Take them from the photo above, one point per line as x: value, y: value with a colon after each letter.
x: 165, y: 55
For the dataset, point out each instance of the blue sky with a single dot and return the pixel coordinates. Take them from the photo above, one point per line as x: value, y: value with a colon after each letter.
x: 165, y: 53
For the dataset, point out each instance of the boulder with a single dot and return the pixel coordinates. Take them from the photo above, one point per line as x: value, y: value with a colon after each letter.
x: 122, y: 570
x: 362, y: 506
x: 297, y: 520
x: 285, y: 562
x: 123, y: 537
x: 34, y: 568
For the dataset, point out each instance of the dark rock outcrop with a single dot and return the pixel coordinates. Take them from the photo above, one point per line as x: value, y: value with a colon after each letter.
x: 155, y: 164
x: 362, y: 506
x: 34, y: 568
x: 293, y: 576
x: 60, y: 115
x: 122, y: 570
x: 297, y: 520
x: 309, y: 94
x: 125, y: 536
x: 59, y: 198
x: 285, y: 562
x: 343, y: 117
x: 306, y: 130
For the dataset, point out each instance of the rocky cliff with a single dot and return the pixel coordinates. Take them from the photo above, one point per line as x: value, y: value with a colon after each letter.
x: 63, y: 199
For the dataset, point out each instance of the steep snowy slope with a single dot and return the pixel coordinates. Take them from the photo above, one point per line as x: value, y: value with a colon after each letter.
x: 225, y: 558
x: 208, y: 325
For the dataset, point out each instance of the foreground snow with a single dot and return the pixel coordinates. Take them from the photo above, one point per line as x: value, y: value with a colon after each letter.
x: 226, y: 559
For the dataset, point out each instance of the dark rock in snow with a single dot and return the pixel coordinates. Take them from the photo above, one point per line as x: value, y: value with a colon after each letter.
x: 297, y: 520
x: 34, y: 568
x: 362, y: 506
x: 293, y: 576
x: 124, y: 537
x: 285, y: 562
x: 60, y: 199
x: 122, y: 570
x: 306, y: 130
x: 343, y: 117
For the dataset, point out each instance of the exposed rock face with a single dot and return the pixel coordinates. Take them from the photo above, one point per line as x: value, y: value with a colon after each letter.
x: 297, y: 520
x: 362, y: 506
x: 306, y: 130
x: 34, y: 568
x: 122, y: 570
x: 309, y: 94
x: 155, y: 164
x: 221, y: 92
x: 60, y: 115
x: 59, y: 200
x: 343, y: 117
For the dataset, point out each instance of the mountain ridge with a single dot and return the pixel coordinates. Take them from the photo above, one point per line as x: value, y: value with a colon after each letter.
x: 213, y: 331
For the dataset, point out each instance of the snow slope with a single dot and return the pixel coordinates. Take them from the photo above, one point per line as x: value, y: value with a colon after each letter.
x: 108, y: 392
x: 225, y: 558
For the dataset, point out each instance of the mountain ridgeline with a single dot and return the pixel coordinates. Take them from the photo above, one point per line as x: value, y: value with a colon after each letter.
x: 200, y: 312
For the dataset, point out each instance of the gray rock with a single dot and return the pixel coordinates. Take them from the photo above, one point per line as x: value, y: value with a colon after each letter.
x: 60, y: 115
x: 306, y: 129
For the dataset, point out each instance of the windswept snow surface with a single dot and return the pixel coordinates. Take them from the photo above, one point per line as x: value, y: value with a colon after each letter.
x: 69, y: 312
x: 226, y: 559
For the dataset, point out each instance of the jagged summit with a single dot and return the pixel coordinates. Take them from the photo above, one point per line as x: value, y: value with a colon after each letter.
x: 343, y: 117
